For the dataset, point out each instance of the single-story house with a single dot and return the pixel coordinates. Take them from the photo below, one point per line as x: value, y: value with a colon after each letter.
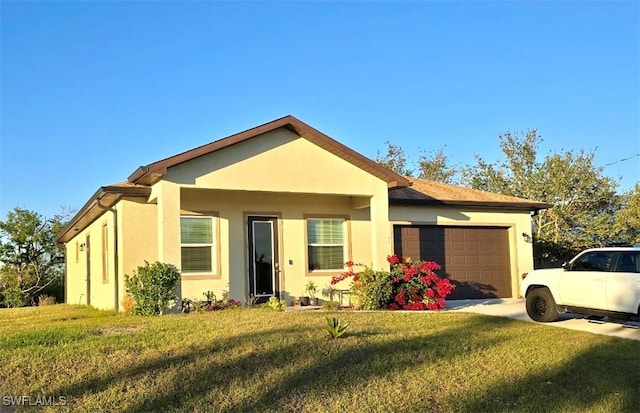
x: 262, y: 212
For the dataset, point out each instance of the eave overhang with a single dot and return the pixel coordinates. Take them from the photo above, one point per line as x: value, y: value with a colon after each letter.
x: 104, y: 198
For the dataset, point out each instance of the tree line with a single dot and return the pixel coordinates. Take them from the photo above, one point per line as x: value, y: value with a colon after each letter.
x: 587, y: 211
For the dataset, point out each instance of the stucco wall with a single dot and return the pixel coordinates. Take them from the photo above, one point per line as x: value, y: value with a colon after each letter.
x: 137, y: 237
x: 233, y: 207
x: 102, y: 294
x: 281, y: 174
x: 517, y: 222
x: 278, y: 161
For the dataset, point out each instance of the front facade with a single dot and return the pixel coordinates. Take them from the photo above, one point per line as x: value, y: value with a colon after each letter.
x: 263, y: 212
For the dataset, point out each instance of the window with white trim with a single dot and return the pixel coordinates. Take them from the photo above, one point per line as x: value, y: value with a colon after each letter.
x: 326, y: 244
x: 197, y: 244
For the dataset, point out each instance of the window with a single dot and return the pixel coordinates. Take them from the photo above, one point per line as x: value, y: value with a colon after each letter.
x: 629, y: 262
x: 326, y: 245
x: 197, y: 248
x: 105, y: 253
x: 593, y: 261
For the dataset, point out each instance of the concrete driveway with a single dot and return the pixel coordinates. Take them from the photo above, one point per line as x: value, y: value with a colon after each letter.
x: 515, y: 308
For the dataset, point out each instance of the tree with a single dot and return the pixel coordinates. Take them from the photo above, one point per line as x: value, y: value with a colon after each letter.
x: 30, y: 260
x: 394, y: 160
x: 627, y: 223
x: 434, y: 166
x: 517, y: 175
x: 584, y: 199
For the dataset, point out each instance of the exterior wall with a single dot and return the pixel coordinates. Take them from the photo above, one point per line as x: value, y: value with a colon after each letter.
x: 102, y: 294
x: 233, y: 207
x: 279, y: 161
x: 279, y: 174
x: 137, y: 241
x: 137, y: 238
x: 518, y: 222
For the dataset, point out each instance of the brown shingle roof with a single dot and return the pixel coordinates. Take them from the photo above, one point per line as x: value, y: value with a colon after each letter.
x: 425, y: 192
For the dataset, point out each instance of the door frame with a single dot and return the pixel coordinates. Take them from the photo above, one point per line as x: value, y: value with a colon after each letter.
x: 274, y: 219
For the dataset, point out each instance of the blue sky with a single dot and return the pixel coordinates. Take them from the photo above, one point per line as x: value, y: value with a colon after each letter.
x: 92, y: 90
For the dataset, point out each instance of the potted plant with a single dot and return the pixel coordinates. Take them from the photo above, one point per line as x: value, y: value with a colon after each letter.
x: 304, y: 299
x: 311, y: 288
x: 210, y: 299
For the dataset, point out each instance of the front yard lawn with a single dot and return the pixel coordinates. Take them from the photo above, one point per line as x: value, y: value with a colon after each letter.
x: 248, y: 360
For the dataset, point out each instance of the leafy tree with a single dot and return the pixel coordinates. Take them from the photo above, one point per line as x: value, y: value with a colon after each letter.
x: 30, y: 260
x: 432, y: 165
x: 584, y: 199
x: 627, y: 223
x: 152, y: 287
x: 517, y: 175
x: 395, y: 160
x: 435, y: 167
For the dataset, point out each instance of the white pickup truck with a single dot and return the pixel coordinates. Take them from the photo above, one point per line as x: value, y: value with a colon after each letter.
x: 601, y: 282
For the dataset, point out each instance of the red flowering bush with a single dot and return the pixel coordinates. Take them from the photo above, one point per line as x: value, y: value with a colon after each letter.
x: 416, y: 286
x: 371, y: 289
x: 408, y: 286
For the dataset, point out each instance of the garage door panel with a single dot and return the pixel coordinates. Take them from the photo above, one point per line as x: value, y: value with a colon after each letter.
x: 476, y: 259
x: 473, y: 260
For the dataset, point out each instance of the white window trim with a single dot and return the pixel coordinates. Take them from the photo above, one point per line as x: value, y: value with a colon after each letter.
x: 212, y: 245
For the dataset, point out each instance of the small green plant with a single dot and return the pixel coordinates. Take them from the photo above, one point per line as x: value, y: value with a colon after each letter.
x: 46, y: 300
x: 335, y: 328
x: 209, y: 296
x: 331, y: 305
x: 276, y: 304
x: 311, y: 288
x: 152, y: 287
x: 250, y: 301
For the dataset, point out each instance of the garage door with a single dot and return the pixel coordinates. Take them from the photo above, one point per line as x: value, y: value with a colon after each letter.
x: 476, y: 259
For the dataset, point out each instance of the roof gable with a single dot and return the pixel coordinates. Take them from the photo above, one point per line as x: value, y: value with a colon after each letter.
x: 151, y: 173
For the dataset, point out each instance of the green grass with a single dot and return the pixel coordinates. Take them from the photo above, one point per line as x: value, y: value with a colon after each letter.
x: 253, y: 360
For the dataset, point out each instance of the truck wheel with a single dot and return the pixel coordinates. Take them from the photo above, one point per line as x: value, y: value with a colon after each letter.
x: 541, y: 306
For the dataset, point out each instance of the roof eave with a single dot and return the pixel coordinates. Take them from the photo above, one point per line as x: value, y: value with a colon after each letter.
x: 529, y: 206
x: 82, y: 218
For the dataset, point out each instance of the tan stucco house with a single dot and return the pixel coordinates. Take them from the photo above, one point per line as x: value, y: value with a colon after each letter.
x: 264, y: 211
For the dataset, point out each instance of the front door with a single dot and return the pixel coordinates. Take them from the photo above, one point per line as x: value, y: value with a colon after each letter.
x: 264, y: 266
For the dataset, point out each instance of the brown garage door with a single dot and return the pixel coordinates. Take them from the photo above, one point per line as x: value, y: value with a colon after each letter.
x: 476, y: 259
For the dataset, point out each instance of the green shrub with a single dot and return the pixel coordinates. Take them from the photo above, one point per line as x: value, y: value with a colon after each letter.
x: 14, y: 297
x: 410, y: 285
x: 152, y: 287
x: 276, y: 304
x: 331, y: 305
x: 372, y: 289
